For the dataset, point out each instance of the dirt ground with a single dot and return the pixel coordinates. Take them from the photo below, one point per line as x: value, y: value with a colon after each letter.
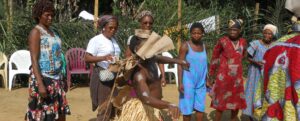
x: 13, y: 104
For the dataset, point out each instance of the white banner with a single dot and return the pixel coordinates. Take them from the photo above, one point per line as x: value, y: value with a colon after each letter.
x: 209, y: 24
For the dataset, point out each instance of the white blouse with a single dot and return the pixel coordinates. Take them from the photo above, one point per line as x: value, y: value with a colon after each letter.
x: 101, y: 46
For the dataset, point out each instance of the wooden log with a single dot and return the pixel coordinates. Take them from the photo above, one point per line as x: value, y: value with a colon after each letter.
x: 96, y: 8
x: 179, y: 25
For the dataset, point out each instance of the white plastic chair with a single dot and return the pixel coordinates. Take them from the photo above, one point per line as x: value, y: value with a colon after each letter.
x: 3, y: 71
x: 21, y: 60
x: 169, y: 69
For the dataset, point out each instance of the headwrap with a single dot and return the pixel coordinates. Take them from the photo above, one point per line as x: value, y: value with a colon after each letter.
x: 296, y: 24
x: 143, y: 14
x: 235, y: 23
x: 271, y: 28
x: 105, y: 19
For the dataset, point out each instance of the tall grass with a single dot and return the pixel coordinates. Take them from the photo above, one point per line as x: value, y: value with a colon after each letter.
x: 77, y: 33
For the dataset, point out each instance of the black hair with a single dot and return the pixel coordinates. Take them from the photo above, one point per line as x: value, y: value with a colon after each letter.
x: 197, y: 25
x: 134, y: 42
x: 40, y: 7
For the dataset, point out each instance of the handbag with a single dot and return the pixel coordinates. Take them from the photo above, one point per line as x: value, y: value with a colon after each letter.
x: 106, y: 75
x: 110, y: 73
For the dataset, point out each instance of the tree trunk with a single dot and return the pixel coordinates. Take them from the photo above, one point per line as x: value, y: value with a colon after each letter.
x: 9, y: 15
x: 96, y: 8
x: 6, y: 9
x: 256, y: 16
x: 179, y: 26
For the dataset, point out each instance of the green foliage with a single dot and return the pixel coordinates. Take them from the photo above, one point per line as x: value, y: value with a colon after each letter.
x: 77, y: 33
x: 277, y: 15
x: 2, y: 9
x: 73, y: 34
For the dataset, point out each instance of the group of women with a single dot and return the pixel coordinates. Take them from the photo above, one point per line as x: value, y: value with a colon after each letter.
x: 47, y: 99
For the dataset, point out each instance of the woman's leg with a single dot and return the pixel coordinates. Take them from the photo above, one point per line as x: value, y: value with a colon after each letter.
x: 104, y: 108
x: 234, y: 114
x: 187, y: 117
x: 218, y: 115
x: 61, y: 118
x: 199, y: 116
x: 251, y: 119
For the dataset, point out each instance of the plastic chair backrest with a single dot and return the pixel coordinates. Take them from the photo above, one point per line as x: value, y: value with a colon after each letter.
x: 75, y: 58
x: 3, y: 60
x: 21, y: 59
x: 3, y: 68
x: 167, y: 54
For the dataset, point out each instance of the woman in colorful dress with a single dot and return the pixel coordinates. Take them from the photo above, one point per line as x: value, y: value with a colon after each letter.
x: 256, y: 52
x: 228, y: 89
x: 47, y: 97
x: 281, y: 87
x: 101, y: 50
x: 192, y: 82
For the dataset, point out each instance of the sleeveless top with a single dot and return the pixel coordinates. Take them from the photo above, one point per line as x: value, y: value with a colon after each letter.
x: 50, y: 60
x: 198, y: 67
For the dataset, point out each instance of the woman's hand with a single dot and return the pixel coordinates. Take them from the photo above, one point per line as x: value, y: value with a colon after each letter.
x: 210, y: 81
x: 163, y: 82
x: 109, y: 57
x: 174, y: 112
x: 42, y: 90
x: 180, y: 88
x: 66, y: 88
x: 209, y: 84
x: 185, y: 65
x: 260, y: 63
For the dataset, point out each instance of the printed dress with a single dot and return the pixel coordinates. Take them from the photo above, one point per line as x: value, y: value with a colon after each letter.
x: 50, y: 63
x: 253, y: 85
x: 228, y: 90
x: 282, y: 81
x: 194, y: 83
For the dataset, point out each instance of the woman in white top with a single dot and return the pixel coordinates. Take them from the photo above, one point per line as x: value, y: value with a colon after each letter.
x: 101, y: 50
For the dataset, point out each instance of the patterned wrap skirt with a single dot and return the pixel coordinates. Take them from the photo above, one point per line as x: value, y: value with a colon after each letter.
x: 51, y: 107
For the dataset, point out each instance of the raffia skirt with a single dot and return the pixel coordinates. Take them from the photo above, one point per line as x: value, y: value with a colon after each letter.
x: 135, y: 110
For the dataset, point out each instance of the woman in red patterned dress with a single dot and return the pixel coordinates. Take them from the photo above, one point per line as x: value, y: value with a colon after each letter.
x: 226, y: 67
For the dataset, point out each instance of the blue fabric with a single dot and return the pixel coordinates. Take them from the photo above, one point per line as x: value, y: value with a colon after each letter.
x: 64, y: 65
x: 194, y: 83
x: 257, y: 51
x: 50, y: 60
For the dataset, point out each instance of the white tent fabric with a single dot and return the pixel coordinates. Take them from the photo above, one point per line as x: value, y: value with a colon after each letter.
x: 86, y: 15
x: 293, y: 6
x: 209, y: 24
